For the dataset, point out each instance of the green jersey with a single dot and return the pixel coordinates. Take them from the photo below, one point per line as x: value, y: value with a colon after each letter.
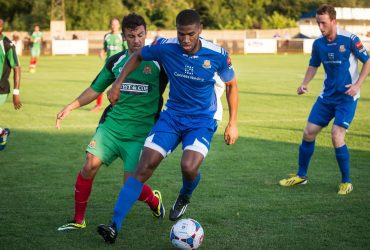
x: 36, y: 38
x: 140, y: 100
x: 113, y: 44
x: 8, y: 60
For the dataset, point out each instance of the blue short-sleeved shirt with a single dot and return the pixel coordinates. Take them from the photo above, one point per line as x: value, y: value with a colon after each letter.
x: 191, y: 76
x: 339, y: 59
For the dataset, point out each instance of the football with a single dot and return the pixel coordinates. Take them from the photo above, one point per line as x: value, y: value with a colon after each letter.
x: 187, y: 234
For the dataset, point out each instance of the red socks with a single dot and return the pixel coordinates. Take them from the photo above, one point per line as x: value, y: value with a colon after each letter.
x: 148, y: 197
x: 83, y: 189
x: 82, y: 193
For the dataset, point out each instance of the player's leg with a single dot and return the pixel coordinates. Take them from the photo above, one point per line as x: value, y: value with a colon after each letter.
x: 307, y: 147
x: 196, y: 144
x: 99, y: 151
x: 129, y: 193
x: 343, y: 117
x: 319, y: 117
x: 157, y: 146
x: 83, y: 187
x: 130, y: 153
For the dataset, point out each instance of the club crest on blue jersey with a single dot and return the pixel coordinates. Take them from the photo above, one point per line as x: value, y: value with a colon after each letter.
x: 342, y: 48
x: 207, y: 64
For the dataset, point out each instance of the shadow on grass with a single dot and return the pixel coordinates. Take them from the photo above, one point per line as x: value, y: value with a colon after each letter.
x: 237, y: 198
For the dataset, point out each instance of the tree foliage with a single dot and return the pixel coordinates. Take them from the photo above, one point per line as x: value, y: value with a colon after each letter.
x: 216, y: 14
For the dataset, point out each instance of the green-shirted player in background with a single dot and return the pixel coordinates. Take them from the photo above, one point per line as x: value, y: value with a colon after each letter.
x: 113, y: 44
x: 8, y: 61
x: 36, y: 40
x: 123, y: 127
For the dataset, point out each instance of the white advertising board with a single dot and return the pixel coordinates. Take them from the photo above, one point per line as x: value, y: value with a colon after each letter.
x: 307, y: 45
x: 262, y: 46
x: 70, y: 47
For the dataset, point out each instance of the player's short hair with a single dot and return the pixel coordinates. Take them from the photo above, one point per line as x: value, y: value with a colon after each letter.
x: 187, y: 17
x: 327, y: 9
x: 132, y: 21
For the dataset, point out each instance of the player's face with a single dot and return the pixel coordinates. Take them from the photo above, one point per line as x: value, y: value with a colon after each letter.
x: 188, y: 36
x: 115, y: 26
x: 135, y: 38
x: 37, y: 28
x: 326, y: 25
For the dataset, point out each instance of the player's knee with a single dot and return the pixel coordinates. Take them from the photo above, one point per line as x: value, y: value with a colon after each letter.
x: 188, y: 168
x: 144, y: 171
x: 90, y: 167
x: 308, y: 134
x: 337, y: 137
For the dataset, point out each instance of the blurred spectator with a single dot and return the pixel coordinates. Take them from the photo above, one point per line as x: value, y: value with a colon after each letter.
x: 18, y: 43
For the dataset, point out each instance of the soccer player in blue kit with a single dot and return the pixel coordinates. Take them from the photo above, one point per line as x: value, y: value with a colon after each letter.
x: 338, y: 51
x: 191, y: 64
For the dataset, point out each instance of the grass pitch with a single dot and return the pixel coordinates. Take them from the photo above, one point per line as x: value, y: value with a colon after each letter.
x: 238, y: 201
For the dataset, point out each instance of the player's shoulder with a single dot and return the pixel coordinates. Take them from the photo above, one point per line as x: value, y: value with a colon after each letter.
x: 213, y: 48
x: 165, y: 41
x: 7, y: 43
x: 116, y: 59
x: 107, y: 35
x: 345, y: 34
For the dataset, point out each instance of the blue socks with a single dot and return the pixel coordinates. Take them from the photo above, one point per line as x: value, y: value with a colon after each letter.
x: 189, y: 186
x: 342, y: 155
x: 129, y: 193
x: 306, y: 150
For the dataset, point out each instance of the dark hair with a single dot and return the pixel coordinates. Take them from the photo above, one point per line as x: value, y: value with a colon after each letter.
x: 327, y: 9
x: 132, y: 21
x: 187, y: 17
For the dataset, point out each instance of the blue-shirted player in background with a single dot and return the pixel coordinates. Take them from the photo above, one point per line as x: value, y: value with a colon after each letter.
x: 338, y: 51
x: 191, y: 64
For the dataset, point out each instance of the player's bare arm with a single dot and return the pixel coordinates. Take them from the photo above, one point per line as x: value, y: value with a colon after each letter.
x: 132, y: 63
x: 353, y: 89
x: 310, y: 73
x: 85, y: 98
x: 231, y: 131
x: 17, y: 83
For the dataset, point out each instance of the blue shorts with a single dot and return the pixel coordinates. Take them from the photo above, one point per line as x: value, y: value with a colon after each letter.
x: 322, y: 113
x: 194, y: 133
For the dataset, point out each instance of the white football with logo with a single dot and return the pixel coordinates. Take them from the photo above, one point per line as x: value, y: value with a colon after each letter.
x: 187, y: 234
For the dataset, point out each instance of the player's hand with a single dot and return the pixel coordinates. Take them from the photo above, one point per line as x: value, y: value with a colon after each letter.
x: 352, y: 90
x: 114, y: 93
x: 61, y: 115
x: 302, y: 89
x: 231, y: 134
x: 17, y: 102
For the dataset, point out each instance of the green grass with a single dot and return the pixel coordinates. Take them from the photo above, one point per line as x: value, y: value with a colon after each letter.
x: 238, y: 201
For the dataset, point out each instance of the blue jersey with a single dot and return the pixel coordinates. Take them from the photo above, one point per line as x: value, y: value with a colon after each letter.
x: 339, y: 58
x: 191, y: 76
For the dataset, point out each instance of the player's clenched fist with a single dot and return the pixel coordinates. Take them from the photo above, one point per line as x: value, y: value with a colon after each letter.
x: 113, y: 93
x: 302, y: 89
x: 231, y: 134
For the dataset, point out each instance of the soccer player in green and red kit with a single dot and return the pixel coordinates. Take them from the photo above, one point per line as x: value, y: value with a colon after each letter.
x: 36, y: 39
x: 123, y: 127
x: 113, y: 44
